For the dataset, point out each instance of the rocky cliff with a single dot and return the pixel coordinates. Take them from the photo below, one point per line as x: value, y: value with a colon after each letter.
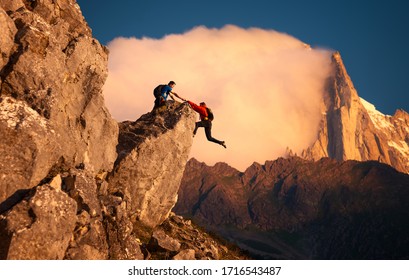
x: 352, y: 128
x: 73, y: 183
x: 297, y: 209
x: 51, y: 105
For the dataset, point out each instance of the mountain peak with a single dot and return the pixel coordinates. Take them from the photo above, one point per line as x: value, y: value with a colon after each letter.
x: 352, y: 128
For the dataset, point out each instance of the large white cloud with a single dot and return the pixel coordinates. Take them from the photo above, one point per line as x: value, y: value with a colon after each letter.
x: 263, y: 86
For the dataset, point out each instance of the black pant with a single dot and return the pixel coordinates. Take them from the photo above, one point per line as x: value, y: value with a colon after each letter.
x: 208, y: 130
x: 159, y: 102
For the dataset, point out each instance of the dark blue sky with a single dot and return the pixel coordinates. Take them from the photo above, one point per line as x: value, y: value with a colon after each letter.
x: 372, y: 36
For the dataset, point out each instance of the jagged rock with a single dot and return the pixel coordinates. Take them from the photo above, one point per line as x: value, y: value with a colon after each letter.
x: 299, y: 209
x: 89, y: 241
x: 9, y: 30
x: 161, y: 241
x: 55, y: 130
x: 28, y: 148
x: 56, y: 182
x: 351, y: 128
x: 187, y: 254
x: 39, y: 227
x: 123, y: 244
x: 212, y: 252
x: 81, y: 186
x: 193, y: 242
x: 12, y: 5
x: 152, y: 154
x: 178, y: 219
x: 51, y: 104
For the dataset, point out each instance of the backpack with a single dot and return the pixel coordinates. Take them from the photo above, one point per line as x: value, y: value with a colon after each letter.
x: 157, y: 92
x: 210, y: 115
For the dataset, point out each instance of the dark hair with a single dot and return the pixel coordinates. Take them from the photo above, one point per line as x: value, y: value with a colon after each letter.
x: 171, y: 83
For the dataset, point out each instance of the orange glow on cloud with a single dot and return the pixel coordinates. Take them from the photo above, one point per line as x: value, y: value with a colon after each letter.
x: 264, y: 87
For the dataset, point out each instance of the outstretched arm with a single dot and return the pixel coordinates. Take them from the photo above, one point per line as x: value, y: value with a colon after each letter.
x: 197, y: 108
x: 181, y: 98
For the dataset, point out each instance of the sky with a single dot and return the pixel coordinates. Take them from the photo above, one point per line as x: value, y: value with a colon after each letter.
x: 372, y: 36
x: 155, y: 41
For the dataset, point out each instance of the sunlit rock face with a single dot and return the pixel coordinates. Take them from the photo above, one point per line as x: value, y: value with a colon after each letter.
x: 152, y: 154
x: 51, y: 104
x: 351, y: 128
x: 56, y: 133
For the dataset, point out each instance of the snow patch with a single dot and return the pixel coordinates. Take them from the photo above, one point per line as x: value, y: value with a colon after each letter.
x: 380, y: 120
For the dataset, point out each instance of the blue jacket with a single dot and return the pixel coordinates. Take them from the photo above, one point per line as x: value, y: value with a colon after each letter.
x: 165, y: 91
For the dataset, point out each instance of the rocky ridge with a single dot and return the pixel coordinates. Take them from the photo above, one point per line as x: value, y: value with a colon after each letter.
x: 178, y: 238
x: 298, y: 209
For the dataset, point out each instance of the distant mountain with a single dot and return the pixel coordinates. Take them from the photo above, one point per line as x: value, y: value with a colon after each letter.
x: 74, y: 184
x: 351, y: 128
x: 313, y: 206
x: 298, y: 209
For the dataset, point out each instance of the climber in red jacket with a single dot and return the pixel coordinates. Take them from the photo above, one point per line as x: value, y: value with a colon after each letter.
x: 206, y: 118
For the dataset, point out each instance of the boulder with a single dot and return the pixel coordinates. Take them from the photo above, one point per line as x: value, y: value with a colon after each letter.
x: 28, y: 148
x: 161, y: 241
x: 152, y: 154
x: 40, y: 226
x: 187, y: 254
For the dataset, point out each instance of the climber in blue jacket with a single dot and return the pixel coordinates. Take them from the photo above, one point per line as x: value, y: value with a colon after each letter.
x: 161, y: 93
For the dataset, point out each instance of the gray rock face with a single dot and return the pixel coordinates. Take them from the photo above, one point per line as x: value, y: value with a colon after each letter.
x: 152, y: 154
x: 52, y: 108
x: 53, y: 121
x: 28, y: 147
x: 352, y: 128
x: 89, y: 236
x: 43, y: 224
x: 122, y: 241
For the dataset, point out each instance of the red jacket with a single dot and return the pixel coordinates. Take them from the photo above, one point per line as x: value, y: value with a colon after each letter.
x: 200, y: 109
